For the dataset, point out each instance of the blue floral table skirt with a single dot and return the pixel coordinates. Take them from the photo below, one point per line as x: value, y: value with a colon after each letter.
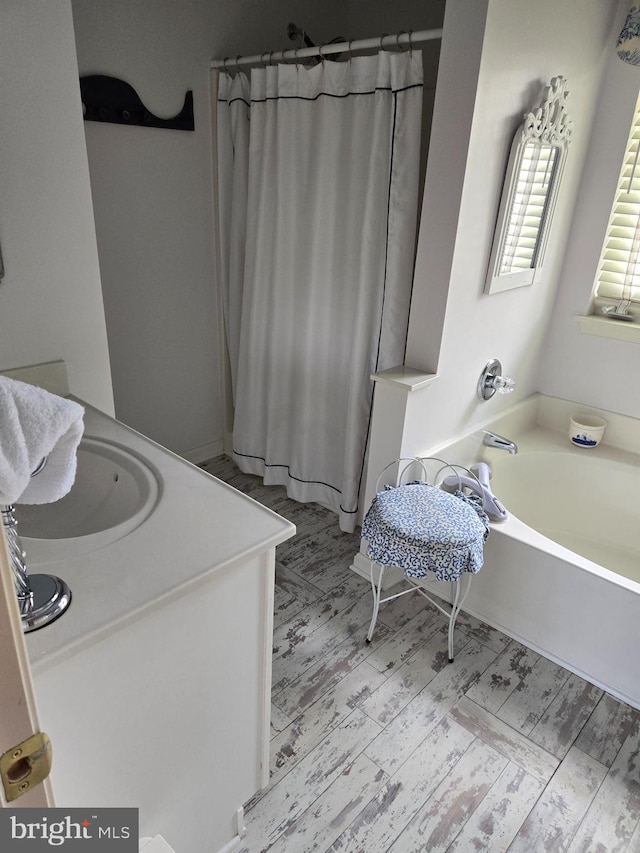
x: 421, y: 529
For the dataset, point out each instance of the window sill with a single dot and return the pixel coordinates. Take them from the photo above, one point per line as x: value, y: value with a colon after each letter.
x: 619, y: 330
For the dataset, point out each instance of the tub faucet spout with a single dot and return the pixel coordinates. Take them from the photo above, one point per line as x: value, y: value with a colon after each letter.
x: 492, y: 439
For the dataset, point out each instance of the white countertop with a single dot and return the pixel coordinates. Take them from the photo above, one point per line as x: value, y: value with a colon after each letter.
x: 198, y: 526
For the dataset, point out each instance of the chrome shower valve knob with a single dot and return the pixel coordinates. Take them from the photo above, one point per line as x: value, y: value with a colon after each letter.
x: 491, y: 380
x: 503, y: 384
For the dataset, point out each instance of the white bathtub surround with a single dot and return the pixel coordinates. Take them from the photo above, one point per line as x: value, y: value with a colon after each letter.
x: 155, y: 685
x: 561, y: 573
x: 316, y: 272
x: 623, y: 432
x: 585, y: 502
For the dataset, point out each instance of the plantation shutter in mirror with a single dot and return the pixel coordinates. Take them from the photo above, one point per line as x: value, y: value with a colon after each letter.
x: 618, y: 279
x: 526, y: 217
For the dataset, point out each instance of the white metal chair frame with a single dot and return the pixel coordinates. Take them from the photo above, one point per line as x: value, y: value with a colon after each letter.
x: 452, y: 610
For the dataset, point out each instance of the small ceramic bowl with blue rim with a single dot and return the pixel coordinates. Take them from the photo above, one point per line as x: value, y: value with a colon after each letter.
x: 586, y: 430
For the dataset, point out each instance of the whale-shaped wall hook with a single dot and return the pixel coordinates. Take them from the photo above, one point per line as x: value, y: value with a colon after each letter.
x: 112, y: 100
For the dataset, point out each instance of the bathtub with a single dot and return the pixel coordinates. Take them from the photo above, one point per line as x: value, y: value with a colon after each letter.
x: 562, y: 573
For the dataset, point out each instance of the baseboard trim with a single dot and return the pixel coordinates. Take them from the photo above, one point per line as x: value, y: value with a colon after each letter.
x: 231, y: 845
x: 204, y: 452
x: 241, y: 831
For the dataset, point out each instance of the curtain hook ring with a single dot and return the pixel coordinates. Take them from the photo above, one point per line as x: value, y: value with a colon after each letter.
x: 271, y: 57
x: 401, y: 33
x: 238, y: 57
x: 410, y: 42
x: 262, y: 55
x: 382, y: 38
x: 224, y: 64
x: 320, y: 53
x: 350, y: 51
x: 295, y: 58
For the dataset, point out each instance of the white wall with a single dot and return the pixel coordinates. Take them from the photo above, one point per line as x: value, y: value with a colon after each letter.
x: 50, y: 300
x: 522, y: 45
x: 153, y: 201
x: 592, y: 370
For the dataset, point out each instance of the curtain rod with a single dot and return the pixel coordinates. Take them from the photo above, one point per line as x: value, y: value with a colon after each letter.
x: 269, y: 57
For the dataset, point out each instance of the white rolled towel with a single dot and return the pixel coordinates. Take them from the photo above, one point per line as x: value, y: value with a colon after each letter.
x: 35, y: 424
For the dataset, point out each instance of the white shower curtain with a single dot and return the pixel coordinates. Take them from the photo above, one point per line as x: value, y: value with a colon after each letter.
x: 317, y: 203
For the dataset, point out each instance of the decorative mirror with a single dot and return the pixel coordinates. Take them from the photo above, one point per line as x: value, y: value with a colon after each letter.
x: 530, y: 190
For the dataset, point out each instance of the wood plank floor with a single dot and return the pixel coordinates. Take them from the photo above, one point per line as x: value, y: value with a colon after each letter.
x: 388, y: 747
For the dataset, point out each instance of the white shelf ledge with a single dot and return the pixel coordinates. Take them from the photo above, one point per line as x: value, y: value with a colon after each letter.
x: 619, y: 330
x: 405, y: 377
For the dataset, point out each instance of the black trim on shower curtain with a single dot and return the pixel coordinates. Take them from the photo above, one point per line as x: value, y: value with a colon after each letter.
x: 319, y: 95
x: 293, y: 477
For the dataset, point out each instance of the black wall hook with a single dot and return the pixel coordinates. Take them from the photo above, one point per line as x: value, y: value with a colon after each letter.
x: 112, y: 100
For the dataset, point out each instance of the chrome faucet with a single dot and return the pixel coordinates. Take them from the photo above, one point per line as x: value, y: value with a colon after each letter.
x: 17, y: 557
x: 41, y: 598
x: 492, y: 439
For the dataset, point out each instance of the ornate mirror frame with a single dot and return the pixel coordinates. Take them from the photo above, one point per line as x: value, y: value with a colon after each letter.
x: 529, y: 193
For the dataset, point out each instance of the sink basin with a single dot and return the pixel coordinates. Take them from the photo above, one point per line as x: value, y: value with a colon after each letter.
x: 113, y: 493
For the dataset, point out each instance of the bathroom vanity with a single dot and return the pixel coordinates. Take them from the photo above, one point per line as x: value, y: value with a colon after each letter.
x: 154, y: 686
